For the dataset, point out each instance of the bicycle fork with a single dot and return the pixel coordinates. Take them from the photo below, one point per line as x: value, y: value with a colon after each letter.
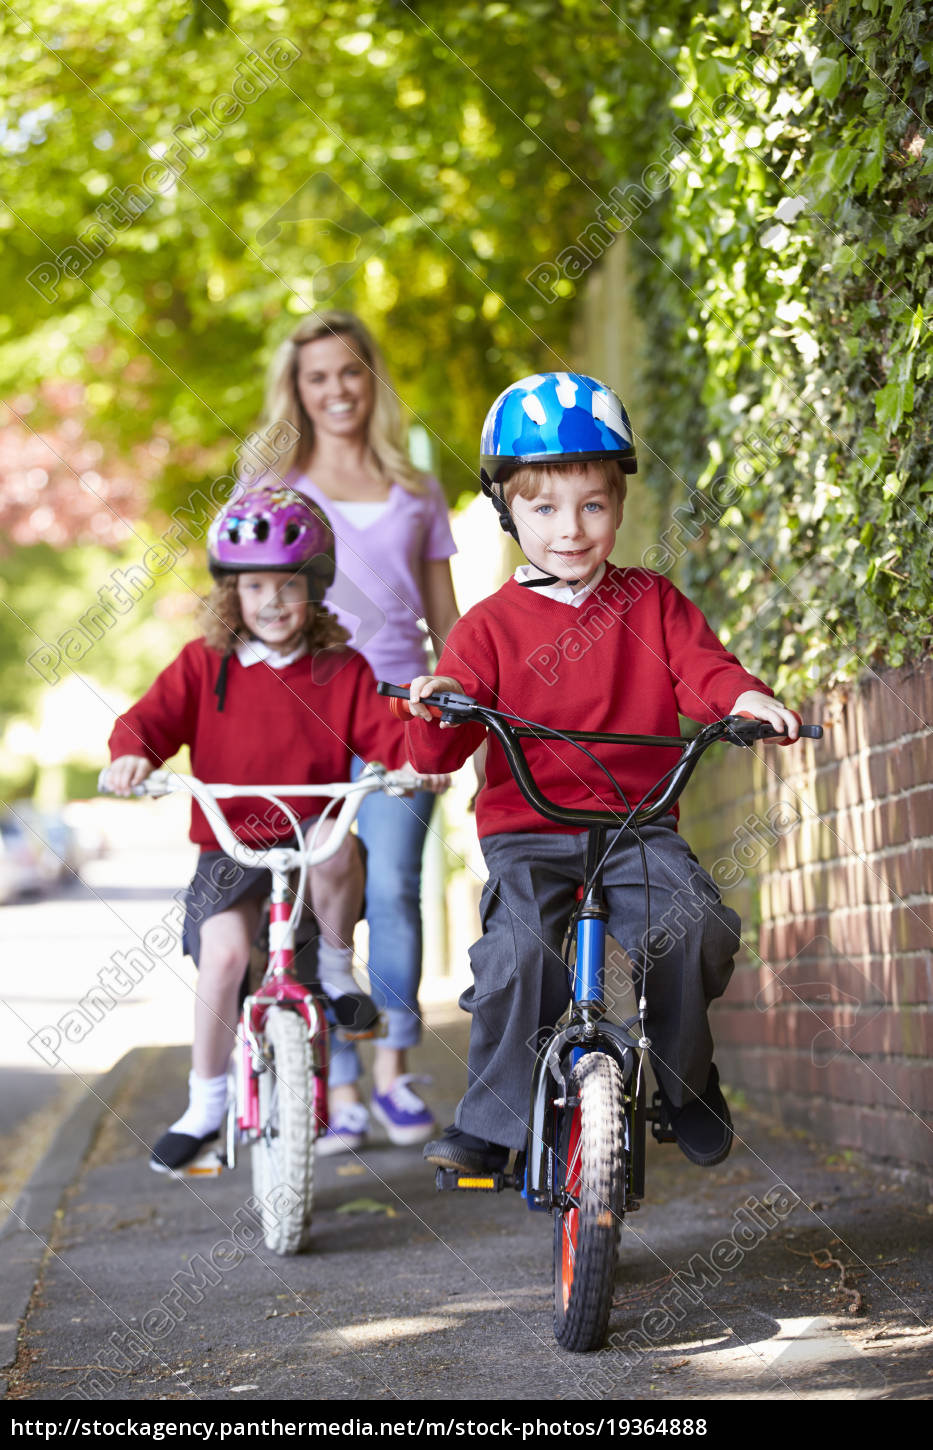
x: 279, y: 989
x: 533, y: 1173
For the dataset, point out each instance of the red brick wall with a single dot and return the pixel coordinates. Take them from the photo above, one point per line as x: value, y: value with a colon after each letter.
x: 826, y: 849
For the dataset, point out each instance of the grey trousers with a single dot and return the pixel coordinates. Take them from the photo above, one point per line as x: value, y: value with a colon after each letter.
x: 521, y: 984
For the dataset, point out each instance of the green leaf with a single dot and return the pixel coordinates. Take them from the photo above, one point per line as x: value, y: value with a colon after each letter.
x: 892, y: 402
x: 368, y: 1205
x: 872, y: 165
x: 828, y: 76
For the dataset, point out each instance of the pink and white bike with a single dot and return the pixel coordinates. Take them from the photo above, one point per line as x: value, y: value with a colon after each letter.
x: 277, y: 1101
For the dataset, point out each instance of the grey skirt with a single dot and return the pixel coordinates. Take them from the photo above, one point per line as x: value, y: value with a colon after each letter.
x: 218, y: 884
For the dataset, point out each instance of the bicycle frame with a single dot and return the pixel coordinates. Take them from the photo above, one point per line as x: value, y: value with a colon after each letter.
x: 586, y: 1029
x: 584, y: 1155
x: 278, y: 987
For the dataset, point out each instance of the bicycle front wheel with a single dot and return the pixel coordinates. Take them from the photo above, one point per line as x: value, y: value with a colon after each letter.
x: 590, y: 1177
x: 283, y: 1155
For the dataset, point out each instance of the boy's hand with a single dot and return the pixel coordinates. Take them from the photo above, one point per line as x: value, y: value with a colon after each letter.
x: 764, y: 707
x: 127, y: 771
x: 424, y: 685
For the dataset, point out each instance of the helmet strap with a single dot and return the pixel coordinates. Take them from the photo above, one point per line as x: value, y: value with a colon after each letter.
x: 544, y: 582
x: 493, y: 491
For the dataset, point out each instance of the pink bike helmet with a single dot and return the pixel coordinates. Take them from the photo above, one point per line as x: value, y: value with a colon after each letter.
x: 272, y: 528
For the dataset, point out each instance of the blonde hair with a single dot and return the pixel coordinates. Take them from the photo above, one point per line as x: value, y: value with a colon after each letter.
x: 223, y: 626
x: 386, y: 433
x: 527, y: 479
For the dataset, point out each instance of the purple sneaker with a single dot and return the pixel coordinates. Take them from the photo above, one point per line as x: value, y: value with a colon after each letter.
x: 401, y: 1112
x: 348, y: 1129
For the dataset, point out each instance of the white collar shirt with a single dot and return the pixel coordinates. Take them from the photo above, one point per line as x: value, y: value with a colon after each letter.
x: 256, y: 651
x: 563, y: 593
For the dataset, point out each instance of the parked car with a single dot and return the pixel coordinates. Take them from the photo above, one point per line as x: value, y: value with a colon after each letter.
x: 53, y: 842
x: 20, y: 854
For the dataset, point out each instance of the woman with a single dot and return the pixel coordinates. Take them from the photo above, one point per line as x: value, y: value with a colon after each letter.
x: 393, y: 571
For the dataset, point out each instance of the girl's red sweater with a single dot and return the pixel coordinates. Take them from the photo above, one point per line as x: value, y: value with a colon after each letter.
x: 631, y: 658
x: 299, y: 725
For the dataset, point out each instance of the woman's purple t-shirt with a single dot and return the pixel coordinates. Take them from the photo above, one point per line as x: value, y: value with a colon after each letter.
x: 377, y: 592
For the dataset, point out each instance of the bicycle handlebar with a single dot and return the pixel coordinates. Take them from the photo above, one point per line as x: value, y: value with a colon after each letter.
x: 374, y: 777
x: 455, y: 708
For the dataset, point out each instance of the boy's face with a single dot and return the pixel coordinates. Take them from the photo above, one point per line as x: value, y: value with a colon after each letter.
x: 274, y: 607
x: 569, y: 528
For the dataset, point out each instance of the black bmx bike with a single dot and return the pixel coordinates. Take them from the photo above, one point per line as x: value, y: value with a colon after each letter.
x: 584, y: 1159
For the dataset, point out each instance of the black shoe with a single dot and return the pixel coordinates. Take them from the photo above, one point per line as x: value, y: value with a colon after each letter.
x: 357, y: 1015
x: 702, y: 1127
x: 456, y: 1149
x: 175, y: 1151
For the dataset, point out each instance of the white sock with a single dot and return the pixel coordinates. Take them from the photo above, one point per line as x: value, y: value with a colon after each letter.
x: 333, y: 965
x: 207, y: 1103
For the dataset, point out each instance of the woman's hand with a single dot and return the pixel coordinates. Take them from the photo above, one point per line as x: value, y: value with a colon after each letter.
x: 127, y: 771
x: 423, y: 686
x: 765, y: 707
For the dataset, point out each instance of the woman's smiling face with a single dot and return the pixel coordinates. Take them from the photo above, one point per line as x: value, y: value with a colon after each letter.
x: 335, y: 386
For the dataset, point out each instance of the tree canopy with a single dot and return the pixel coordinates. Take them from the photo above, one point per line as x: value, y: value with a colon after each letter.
x: 182, y: 182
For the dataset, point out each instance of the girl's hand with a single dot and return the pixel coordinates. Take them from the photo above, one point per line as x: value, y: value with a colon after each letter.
x: 434, y: 783
x: 127, y: 771
x: 763, y: 707
x: 424, y: 685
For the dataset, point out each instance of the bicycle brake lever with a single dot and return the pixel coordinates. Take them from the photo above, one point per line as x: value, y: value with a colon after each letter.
x: 747, y: 736
x: 447, y: 705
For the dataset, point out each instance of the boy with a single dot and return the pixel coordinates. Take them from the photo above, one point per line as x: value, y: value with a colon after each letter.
x: 576, y: 644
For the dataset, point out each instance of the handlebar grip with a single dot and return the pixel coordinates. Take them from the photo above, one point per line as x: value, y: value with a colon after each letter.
x: 400, y: 702
x: 401, y: 709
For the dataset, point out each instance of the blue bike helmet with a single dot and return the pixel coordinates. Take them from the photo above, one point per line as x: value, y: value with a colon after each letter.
x: 552, y: 418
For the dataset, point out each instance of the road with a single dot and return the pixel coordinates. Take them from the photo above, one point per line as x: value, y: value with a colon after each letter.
x: 407, y: 1294
x: 57, y: 949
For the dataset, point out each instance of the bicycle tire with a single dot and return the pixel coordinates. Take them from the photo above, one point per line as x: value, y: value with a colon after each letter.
x: 591, y: 1170
x: 283, y: 1155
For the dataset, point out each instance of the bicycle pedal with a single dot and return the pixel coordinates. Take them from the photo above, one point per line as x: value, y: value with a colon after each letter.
x: 661, y: 1130
x: 208, y: 1164
x: 449, y: 1180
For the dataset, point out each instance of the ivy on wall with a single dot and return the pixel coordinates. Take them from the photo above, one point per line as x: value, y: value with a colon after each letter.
x: 793, y: 272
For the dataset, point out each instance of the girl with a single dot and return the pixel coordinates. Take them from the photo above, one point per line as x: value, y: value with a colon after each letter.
x: 393, y: 571
x: 270, y: 691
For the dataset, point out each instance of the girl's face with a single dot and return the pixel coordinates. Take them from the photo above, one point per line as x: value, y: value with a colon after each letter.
x: 274, y: 607
x: 335, y: 387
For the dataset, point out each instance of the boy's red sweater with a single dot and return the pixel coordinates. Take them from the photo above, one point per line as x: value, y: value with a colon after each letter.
x: 299, y: 725
x: 629, y: 659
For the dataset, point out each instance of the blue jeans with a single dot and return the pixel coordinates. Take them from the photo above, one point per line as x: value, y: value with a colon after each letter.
x: 393, y: 832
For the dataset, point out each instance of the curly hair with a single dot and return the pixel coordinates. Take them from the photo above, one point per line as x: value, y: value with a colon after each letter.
x: 223, y: 624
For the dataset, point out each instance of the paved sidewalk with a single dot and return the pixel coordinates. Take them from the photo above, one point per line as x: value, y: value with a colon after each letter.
x: 408, y: 1294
